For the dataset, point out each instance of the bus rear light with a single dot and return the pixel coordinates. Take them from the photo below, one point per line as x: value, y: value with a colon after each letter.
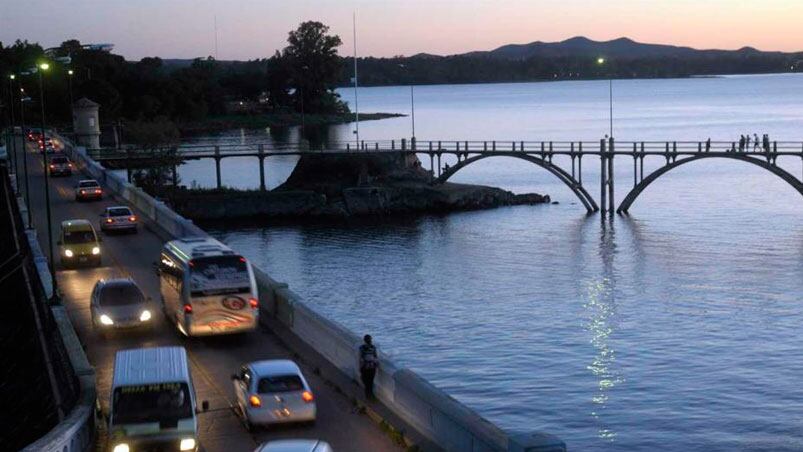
x: 253, y: 302
x: 255, y: 401
x: 97, y: 191
x: 83, y: 192
x: 242, y: 259
x: 132, y: 218
x: 109, y: 220
x: 188, y: 309
x: 307, y: 396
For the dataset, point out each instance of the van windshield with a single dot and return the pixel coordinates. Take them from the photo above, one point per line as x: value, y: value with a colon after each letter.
x: 165, y: 403
x: 219, y: 275
x: 78, y: 237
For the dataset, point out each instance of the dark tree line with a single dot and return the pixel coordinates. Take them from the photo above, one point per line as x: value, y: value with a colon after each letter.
x: 303, y: 75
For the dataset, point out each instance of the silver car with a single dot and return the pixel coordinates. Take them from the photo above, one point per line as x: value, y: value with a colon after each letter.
x: 118, y: 218
x: 295, y: 445
x: 119, y: 304
x: 273, y: 392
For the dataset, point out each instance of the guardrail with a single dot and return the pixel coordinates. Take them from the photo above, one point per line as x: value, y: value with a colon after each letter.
x: 439, y: 417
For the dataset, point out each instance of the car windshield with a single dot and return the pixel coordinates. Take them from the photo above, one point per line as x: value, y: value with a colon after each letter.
x: 87, y: 184
x: 120, y: 294
x: 279, y: 383
x: 119, y: 212
x: 219, y: 274
x: 58, y: 160
x: 164, y: 403
x: 78, y: 237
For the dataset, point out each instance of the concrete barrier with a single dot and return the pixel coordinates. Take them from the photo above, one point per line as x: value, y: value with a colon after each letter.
x: 436, y: 415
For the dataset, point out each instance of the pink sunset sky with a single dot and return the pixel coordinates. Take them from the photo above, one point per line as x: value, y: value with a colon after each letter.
x: 250, y: 29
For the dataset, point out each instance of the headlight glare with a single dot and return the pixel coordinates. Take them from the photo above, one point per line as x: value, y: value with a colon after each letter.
x: 106, y: 320
x: 145, y: 316
x: 187, y: 444
x: 122, y: 447
x: 96, y: 250
x: 68, y: 253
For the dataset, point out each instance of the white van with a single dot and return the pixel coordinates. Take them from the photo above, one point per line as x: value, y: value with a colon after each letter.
x: 206, y: 288
x: 152, y: 402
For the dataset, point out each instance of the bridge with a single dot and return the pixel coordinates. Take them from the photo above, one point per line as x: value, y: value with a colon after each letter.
x: 606, y: 152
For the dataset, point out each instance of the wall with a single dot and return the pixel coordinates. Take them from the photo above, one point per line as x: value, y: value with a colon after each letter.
x: 439, y: 417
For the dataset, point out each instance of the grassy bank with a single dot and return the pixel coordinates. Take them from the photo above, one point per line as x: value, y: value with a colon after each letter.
x: 261, y: 121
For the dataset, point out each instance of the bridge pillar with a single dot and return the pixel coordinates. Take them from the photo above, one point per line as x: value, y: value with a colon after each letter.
x: 261, y: 167
x: 175, y: 176
x: 611, y: 199
x: 432, y: 164
x: 603, y: 178
x: 217, y: 166
x: 439, y: 165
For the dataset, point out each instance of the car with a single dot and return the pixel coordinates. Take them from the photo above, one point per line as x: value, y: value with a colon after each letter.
x: 295, y: 445
x: 79, y: 243
x: 34, y: 136
x: 273, y: 392
x: 60, y: 165
x: 119, y: 304
x: 88, y: 190
x: 47, y: 145
x: 118, y: 218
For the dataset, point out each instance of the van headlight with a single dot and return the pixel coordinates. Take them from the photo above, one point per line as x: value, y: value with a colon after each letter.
x: 106, y: 320
x: 122, y: 447
x: 145, y: 316
x: 187, y: 444
x: 96, y: 250
x: 68, y: 253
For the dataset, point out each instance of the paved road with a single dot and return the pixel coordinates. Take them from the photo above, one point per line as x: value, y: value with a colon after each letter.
x: 213, y: 359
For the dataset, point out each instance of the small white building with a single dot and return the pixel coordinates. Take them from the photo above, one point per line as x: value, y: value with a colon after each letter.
x: 86, y: 123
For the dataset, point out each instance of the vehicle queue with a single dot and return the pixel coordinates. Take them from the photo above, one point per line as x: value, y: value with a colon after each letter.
x: 205, y: 289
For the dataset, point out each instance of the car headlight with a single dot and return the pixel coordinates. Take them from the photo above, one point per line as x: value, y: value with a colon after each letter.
x: 106, y: 320
x: 68, y: 253
x: 95, y: 250
x: 187, y: 444
x: 145, y: 316
x: 122, y: 447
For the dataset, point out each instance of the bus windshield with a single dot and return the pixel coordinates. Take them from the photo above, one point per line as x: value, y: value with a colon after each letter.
x: 161, y: 402
x: 218, y: 275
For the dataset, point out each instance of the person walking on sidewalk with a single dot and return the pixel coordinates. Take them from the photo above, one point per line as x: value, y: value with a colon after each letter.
x: 369, y: 363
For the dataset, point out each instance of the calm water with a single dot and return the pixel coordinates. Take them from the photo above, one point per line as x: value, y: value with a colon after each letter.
x: 678, y: 328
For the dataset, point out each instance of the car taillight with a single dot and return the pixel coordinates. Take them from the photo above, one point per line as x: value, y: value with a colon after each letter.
x: 188, y: 309
x: 97, y: 190
x: 253, y: 302
x: 83, y: 192
x: 52, y: 166
x: 70, y: 165
x: 307, y: 397
x: 255, y: 401
x: 132, y: 218
x: 109, y: 220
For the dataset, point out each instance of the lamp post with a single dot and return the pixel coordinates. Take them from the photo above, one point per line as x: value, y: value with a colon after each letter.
x: 412, y: 100
x: 23, y: 99
x: 601, y: 61
x: 13, y: 141
x: 42, y: 67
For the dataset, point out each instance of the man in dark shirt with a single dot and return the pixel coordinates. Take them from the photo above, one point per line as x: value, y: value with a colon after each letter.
x: 369, y: 362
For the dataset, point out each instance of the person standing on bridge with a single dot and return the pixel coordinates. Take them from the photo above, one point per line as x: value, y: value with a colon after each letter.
x: 747, y: 142
x: 755, y: 141
x: 741, y: 143
x: 708, y: 145
x: 369, y: 363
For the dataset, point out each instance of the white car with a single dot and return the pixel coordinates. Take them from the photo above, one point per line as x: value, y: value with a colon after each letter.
x: 273, y: 392
x: 88, y: 189
x: 295, y: 445
x: 118, y: 218
x: 119, y: 304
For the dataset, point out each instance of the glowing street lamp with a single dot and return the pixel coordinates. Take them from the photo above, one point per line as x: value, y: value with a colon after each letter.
x: 601, y: 62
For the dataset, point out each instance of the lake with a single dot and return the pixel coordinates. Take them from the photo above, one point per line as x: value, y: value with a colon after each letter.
x: 676, y: 328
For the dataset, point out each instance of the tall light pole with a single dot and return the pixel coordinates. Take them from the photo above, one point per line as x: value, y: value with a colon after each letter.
x: 412, y: 99
x: 13, y: 142
x: 23, y: 99
x: 42, y: 67
x: 601, y: 61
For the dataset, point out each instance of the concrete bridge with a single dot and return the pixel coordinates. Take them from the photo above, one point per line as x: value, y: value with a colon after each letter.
x: 540, y: 153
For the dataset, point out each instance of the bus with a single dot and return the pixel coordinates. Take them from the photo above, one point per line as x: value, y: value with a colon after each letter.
x: 206, y: 288
x: 152, y: 404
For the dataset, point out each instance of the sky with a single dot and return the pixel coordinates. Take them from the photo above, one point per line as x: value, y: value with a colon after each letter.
x: 248, y: 29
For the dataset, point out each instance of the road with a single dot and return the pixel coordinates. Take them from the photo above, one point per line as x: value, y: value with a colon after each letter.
x: 213, y: 359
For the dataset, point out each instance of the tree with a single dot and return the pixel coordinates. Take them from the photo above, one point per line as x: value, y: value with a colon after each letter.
x: 315, y: 68
x: 160, y: 137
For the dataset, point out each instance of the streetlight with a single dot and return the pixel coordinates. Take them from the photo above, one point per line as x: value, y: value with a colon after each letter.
x: 42, y: 67
x: 23, y: 99
x: 412, y: 99
x: 601, y: 62
x: 13, y: 143
x: 69, y: 83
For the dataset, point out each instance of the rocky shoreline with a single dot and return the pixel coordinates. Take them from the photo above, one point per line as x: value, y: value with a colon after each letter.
x: 328, y: 186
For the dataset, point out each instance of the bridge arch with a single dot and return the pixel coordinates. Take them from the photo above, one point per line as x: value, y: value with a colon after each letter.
x: 561, y: 174
x: 641, y: 186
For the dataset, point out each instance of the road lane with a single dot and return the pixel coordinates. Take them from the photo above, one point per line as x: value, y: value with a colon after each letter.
x: 213, y: 359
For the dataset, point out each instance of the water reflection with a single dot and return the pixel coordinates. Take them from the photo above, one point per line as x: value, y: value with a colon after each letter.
x: 600, y: 307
